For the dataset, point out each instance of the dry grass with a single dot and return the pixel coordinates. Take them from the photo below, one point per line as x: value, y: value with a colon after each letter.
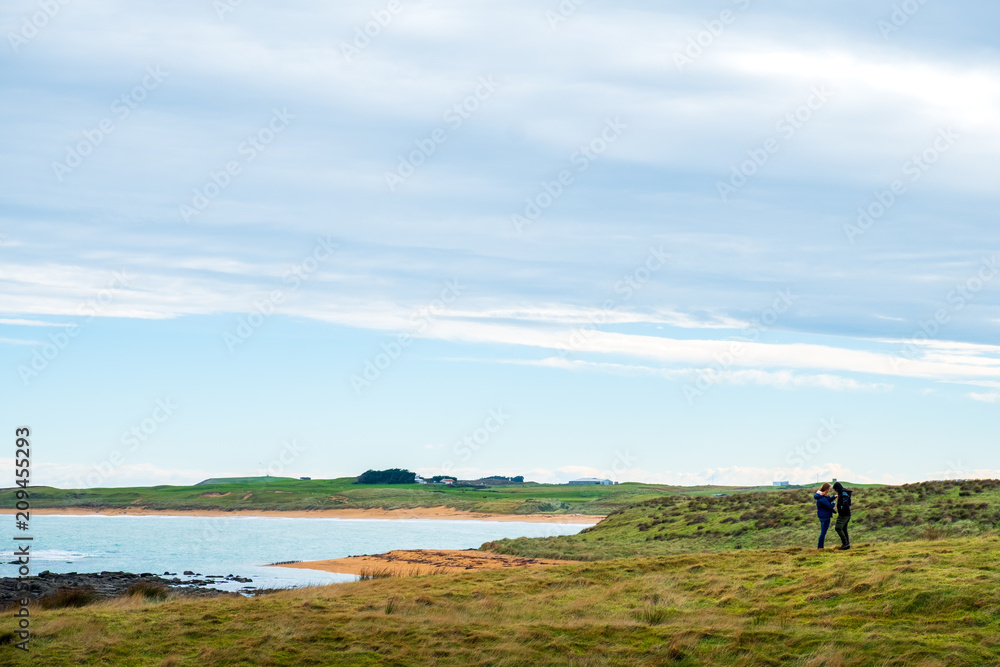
x: 69, y: 597
x: 148, y: 591
x: 390, y: 572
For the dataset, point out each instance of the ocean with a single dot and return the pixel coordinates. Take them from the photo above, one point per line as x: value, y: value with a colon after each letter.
x: 244, y: 545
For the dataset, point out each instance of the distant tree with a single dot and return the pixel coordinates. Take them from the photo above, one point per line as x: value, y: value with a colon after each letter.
x: 500, y: 478
x: 391, y: 476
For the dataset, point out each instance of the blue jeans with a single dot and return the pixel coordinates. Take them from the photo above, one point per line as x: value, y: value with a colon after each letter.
x: 824, y: 525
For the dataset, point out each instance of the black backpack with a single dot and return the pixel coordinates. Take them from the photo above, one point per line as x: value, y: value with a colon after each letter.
x: 844, y: 501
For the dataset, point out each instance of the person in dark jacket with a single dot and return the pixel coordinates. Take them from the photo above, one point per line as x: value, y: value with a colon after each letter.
x: 824, y: 510
x: 843, y: 515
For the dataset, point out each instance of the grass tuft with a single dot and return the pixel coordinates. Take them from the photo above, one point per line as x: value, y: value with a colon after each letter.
x: 655, y: 615
x: 372, y: 573
x: 148, y: 591
x: 69, y: 597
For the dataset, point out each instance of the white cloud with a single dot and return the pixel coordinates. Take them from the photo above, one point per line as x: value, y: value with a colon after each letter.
x: 982, y: 383
x: 700, y: 352
x: 156, y: 293
x: 17, y: 341
x: 788, y: 379
x: 30, y: 323
x: 782, y: 379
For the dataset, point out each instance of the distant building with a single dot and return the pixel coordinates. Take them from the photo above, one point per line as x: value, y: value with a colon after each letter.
x: 779, y: 483
x: 586, y: 481
x: 420, y: 480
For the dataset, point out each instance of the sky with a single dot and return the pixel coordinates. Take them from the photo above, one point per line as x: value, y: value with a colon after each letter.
x: 732, y: 242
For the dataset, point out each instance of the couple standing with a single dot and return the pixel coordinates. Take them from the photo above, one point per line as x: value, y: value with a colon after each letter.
x: 825, y: 509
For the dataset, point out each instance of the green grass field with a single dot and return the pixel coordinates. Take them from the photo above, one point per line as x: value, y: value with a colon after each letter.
x: 910, y: 604
x: 682, y: 579
x: 683, y: 524
x: 277, y: 493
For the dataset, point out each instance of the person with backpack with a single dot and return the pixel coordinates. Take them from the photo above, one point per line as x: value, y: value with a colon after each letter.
x: 824, y: 510
x: 843, y: 498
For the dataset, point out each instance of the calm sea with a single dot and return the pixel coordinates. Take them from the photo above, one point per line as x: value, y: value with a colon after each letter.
x: 243, y: 545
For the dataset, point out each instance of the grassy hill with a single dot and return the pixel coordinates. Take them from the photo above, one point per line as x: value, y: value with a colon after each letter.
x: 907, y: 604
x: 682, y: 524
x: 281, y: 493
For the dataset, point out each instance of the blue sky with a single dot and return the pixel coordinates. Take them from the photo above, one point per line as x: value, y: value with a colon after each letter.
x: 729, y: 241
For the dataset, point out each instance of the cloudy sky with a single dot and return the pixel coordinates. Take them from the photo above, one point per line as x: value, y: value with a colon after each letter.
x: 735, y: 241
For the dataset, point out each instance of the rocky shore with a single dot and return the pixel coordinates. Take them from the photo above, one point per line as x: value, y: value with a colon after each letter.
x: 114, y: 584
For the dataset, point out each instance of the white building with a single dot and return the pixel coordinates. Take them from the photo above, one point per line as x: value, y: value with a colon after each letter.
x: 590, y: 480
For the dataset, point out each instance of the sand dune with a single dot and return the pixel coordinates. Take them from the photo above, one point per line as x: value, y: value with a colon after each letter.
x: 424, y: 561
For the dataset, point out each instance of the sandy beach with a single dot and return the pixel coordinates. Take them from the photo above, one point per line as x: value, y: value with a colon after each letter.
x: 412, y: 513
x: 424, y: 561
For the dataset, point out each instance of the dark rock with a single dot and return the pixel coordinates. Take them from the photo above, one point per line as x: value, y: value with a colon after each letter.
x: 105, y: 585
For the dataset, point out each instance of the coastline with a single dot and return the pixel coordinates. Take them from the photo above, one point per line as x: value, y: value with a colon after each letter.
x: 404, y: 563
x: 429, y: 513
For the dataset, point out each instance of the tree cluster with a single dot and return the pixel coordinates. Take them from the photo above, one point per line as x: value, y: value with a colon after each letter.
x: 391, y: 476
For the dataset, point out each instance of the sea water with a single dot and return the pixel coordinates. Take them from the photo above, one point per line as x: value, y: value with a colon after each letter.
x: 245, y: 545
